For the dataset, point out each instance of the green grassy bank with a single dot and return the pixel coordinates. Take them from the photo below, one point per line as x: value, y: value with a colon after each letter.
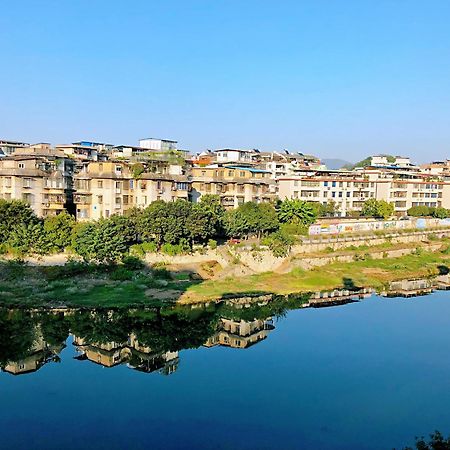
x: 131, y: 284
x: 376, y: 273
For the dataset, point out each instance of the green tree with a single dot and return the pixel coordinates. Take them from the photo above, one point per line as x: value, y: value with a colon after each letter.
x: 212, y: 206
x: 419, y: 211
x: 104, y: 241
x: 14, y: 214
x: 168, y: 223
x: 379, y: 209
x: 440, y: 213
x: 58, y: 231
x: 297, y: 211
x: 251, y: 219
x: 29, y: 238
x: 328, y: 209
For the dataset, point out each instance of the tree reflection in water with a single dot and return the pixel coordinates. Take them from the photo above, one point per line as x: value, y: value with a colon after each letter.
x: 145, y: 339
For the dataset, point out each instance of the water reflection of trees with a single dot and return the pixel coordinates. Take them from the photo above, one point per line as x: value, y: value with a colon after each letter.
x: 145, y: 339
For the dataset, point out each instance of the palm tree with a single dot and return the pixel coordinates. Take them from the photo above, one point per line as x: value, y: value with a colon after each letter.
x: 297, y: 211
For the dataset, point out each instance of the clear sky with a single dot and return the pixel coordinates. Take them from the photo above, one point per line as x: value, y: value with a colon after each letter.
x: 336, y: 78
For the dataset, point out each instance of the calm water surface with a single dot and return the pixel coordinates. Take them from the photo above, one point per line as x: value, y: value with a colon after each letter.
x: 366, y: 375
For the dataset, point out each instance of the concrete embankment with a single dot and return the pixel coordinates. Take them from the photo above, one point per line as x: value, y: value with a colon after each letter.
x: 241, y: 260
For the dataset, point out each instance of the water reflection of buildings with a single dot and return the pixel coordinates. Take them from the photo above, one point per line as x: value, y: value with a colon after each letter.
x: 337, y: 297
x: 409, y: 288
x: 240, y: 334
x: 132, y: 353
x: 40, y: 354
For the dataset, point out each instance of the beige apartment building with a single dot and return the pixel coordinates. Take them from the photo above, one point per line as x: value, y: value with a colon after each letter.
x: 233, y: 184
x: 40, y: 176
x: 106, y: 188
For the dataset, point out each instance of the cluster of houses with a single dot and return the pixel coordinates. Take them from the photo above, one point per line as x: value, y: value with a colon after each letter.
x: 93, y: 180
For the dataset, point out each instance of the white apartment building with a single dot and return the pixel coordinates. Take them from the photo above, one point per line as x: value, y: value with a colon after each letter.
x: 230, y: 155
x: 349, y: 190
x: 158, y: 145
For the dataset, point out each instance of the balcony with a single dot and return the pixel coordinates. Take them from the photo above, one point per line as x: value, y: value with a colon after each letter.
x: 82, y: 200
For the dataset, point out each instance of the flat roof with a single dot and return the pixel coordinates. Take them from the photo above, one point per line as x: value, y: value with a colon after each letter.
x: 250, y: 169
x: 158, y: 139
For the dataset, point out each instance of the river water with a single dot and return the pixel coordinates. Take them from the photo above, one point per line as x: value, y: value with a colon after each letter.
x: 371, y: 374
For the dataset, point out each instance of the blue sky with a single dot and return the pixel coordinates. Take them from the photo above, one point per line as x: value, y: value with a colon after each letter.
x: 335, y: 78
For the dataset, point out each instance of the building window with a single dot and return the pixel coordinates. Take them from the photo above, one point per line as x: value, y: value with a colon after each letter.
x: 333, y: 183
x: 325, y: 183
x: 131, y: 184
x: 100, y: 184
x: 118, y: 169
x: 333, y: 194
x: 21, y: 166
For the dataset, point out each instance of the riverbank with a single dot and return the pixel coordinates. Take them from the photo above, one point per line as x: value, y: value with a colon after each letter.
x: 367, y: 272
x: 81, y: 285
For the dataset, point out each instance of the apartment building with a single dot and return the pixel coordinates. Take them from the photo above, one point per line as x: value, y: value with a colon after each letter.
x: 234, y: 185
x: 40, y: 176
x: 111, y: 187
x: 282, y: 164
x: 350, y: 189
x: 7, y: 148
x: 231, y: 155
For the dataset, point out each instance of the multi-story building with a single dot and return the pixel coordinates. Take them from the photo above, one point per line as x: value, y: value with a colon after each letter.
x: 231, y: 155
x: 350, y: 189
x: 281, y: 164
x: 158, y: 145
x: 40, y: 176
x: 234, y: 185
x: 9, y: 147
x: 112, y: 187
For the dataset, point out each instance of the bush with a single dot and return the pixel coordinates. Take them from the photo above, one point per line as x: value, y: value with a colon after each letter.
x: 176, y: 249
x: 149, y: 247
x: 212, y: 244
x: 121, y: 273
x: 161, y: 274
x: 137, y: 250
x: 68, y: 270
x: 280, y: 243
x: 132, y: 263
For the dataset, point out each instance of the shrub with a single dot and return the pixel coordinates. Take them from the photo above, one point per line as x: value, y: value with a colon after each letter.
x: 121, y: 273
x: 137, y: 250
x: 280, y: 244
x: 161, y: 273
x: 149, y: 247
x: 132, y: 263
x: 212, y: 244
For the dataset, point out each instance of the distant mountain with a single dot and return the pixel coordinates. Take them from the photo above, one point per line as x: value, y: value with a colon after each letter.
x: 334, y: 164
